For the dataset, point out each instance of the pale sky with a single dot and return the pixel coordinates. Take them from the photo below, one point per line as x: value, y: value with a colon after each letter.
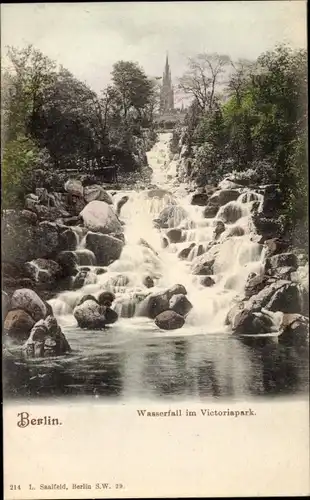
x: 87, y: 38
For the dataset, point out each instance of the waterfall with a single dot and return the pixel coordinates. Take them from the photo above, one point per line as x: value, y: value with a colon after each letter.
x: 234, y: 252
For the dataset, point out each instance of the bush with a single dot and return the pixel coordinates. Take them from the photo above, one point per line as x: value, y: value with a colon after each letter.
x: 19, y: 158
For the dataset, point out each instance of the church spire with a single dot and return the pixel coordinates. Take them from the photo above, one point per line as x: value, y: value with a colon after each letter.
x: 166, y: 91
x: 167, y: 63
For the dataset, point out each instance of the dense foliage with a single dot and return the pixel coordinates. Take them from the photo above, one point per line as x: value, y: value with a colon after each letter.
x: 256, y: 124
x: 53, y: 121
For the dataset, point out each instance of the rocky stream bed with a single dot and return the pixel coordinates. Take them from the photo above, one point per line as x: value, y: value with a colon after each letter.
x: 163, y: 290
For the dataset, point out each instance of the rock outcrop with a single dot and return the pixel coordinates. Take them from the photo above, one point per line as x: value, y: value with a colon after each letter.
x: 46, y: 339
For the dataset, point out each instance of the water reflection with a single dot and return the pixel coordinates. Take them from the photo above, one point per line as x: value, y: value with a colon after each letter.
x: 200, y: 366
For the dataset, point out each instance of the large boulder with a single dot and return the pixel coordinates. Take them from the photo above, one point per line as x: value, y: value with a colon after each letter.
x: 153, y: 305
x: 233, y: 312
x: 74, y: 187
x: 68, y: 240
x: 211, y: 210
x: 174, y: 235
x: 68, y: 261
x: 46, y: 241
x: 18, y: 324
x: 171, y: 216
x: 180, y: 304
x: 46, y: 339
x: 169, y: 320
x: 29, y: 301
x: 96, y: 192
x: 106, y: 298
x: 84, y: 298
x: 18, y: 237
x: 157, y: 302
x: 263, y: 297
x: 176, y: 290
x: 43, y: 271
x: 279, y: 261
x: 294, y: 331
x: 248, y: 323
x: 224, y: 196
x: 90, y: 315
x: 106, y: 248
x: 286, y: 299
x: 98, y: 216
x: 110, y: 315
x: 200, y: 199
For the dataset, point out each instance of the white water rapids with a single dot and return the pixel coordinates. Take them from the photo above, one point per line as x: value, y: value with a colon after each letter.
x: 237, y: 256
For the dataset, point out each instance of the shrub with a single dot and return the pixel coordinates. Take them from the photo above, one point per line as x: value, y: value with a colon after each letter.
x: 19, y: 158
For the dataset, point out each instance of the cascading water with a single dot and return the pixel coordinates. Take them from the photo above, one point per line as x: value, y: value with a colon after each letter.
x: 235, y: 253
x: 133, y: 358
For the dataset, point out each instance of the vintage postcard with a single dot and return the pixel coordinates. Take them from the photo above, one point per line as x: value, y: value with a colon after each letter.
x: 155, y: 274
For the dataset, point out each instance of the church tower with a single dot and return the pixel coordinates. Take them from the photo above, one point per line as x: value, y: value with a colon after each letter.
x: 166, y: 91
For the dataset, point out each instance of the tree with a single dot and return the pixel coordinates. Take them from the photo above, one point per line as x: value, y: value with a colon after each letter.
x: 201, y: 78
x: 31, y: 72
x: 134, y: 88
x: 262, y: 126
x: 67, y: 123
x: 239, y: 78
